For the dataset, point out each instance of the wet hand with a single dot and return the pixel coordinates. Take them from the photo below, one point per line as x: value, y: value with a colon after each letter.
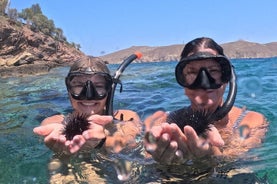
x: 199, y: 146
x: 91, y: 137
x: 167, y: 144
x: 53, y: 137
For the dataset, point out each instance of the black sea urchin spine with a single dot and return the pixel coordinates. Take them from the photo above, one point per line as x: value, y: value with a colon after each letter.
x: 198, y: 120
x: 75, y: 124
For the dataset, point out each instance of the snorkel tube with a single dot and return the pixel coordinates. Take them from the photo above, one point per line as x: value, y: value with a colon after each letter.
x: 228, y: 104
x: 116, y: 80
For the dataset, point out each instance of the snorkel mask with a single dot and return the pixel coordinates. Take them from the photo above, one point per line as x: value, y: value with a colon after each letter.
x: 88, y: 85
x: 205, y: 80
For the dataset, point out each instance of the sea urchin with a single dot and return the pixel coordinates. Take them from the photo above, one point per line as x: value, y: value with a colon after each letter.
x: 198, y: 120
x: 75, y: 124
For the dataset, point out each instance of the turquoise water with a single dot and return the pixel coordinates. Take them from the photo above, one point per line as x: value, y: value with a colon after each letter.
x: 147, y: 87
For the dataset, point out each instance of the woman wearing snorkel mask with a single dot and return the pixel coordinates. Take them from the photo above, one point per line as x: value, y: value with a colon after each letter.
x: 89, y: 86
x: 91, y: 128
x: 210, y: 125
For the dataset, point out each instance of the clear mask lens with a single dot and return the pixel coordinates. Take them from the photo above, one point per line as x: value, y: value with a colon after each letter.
x: 202, y: 79
x: 94, y: 86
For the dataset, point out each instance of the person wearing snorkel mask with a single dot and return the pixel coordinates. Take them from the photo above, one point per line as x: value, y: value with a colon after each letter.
x: 89, y: 86
x: 210, y: 125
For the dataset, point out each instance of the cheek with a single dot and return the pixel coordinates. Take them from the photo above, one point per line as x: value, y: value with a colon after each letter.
x: 191, y: 94
x: 103, y: 103
x: 188, y: 93
x: 73, y: 102
x: 202, y: 97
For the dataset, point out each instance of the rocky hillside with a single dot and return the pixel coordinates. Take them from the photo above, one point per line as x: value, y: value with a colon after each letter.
x: 23, y: 51
x: 238, y: 49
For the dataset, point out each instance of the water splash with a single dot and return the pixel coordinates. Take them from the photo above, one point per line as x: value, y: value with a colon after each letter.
x: 244, y: 131
x: 123, y: 169
x: 252, y: 87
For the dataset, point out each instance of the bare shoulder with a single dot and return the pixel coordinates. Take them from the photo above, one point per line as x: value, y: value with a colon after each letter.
x: 254, y: 119
x: 53, y: 119
x: 155, y: 119
x: 126, y: 115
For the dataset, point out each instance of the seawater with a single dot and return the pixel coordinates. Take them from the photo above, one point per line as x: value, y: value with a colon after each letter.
x: 147, y: 87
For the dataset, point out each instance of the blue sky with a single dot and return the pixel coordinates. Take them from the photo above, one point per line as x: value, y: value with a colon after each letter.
x: 106, y: 26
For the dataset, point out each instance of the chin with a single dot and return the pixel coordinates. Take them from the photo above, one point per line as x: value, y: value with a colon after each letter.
x: 88, y: 111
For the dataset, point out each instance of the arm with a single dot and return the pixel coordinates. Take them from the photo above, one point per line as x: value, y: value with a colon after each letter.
x: 249, y: 134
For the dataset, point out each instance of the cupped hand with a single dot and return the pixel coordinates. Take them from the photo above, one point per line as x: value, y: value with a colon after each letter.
x: 199, y: 146
x: 91, y: 137
x: 56, y: 140
x: 166, y: 143
x: 53, y: 137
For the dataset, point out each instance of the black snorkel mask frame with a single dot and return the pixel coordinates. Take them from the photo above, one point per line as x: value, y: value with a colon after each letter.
x: 205, y: 81
x: 89, y: 90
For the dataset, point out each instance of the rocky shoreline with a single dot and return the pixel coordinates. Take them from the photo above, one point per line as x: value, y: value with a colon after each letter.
x: 24, y: 52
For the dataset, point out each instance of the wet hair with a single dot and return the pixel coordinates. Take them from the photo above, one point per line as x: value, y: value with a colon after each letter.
x: 195, y: 45
x: 95, y: 64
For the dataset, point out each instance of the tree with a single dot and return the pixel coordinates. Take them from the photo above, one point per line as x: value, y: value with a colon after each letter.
x: 12, y: 14
x: 4, y: 4
x: 37, y: 21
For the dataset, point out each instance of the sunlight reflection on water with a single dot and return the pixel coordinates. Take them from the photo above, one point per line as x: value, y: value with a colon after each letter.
x: 26, y: 101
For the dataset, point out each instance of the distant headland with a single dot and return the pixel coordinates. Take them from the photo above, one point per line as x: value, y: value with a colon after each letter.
x: 28, y: 52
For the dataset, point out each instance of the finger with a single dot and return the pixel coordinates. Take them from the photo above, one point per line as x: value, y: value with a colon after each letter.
x: 62, y: 139
x: 101, y: 120
x: 92, y: 134
x: 156, y: 119
x: 162, y: 144
x: 214, y: 137
x: 55, y: 142
x: 95, y: 131
x: 76, y: 143
x: 169, y: 153
x: 153, y: 135
x: 192, y: 138
x: 196, y: 145
x: 179, y: 136
x: 44, y: 130
x: 177, y: 133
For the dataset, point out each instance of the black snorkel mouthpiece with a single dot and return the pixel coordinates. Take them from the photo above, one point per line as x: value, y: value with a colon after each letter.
x: 116, y: 79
